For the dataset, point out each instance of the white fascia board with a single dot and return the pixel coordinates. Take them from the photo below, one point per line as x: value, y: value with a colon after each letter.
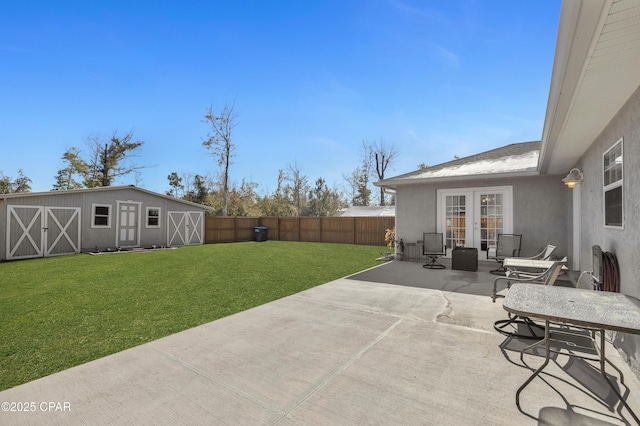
x: 580, y: 23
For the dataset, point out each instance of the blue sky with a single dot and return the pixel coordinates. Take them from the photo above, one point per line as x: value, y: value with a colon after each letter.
x: 311, y: 80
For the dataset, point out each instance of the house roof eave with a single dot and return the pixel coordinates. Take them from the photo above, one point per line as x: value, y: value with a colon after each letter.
x: 594, y: 74
x: 395, y: 183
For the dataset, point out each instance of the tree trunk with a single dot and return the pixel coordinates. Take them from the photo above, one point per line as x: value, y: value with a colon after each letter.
x: 225, y: 185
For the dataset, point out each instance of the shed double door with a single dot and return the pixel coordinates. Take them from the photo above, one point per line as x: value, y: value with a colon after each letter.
x: 185, y: 228
x: 38, y: 231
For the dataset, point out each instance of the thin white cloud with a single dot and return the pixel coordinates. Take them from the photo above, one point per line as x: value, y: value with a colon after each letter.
x: 336, y: 92
x: 449, y: 57
x: 409, y: 10
x: 426, y: 18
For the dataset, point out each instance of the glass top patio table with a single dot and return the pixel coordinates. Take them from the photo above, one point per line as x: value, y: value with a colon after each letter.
x: 585, y: 308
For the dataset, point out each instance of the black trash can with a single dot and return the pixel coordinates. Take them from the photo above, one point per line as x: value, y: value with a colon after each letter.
x: 260, y: 233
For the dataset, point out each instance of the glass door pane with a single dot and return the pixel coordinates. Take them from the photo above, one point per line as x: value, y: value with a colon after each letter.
x: 491, y: 219
x: 455, y: 221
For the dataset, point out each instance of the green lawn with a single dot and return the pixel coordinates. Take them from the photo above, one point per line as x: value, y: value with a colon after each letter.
x: 59, y: 312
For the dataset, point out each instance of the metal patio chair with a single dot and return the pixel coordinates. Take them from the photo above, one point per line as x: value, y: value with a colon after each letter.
x: 507, y: 245
x: 433, y: 248
x: 548, y: 277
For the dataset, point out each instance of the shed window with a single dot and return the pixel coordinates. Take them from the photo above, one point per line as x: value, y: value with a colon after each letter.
x: 101, y: 216
x: 153, y: 217
x: 613, y: 187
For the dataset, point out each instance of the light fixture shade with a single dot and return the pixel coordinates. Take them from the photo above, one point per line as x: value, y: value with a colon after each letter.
x: 573, y: 178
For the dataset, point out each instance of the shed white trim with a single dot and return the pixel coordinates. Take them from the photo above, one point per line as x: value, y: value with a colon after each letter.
x: 185, y: 228
x: 39, y: 231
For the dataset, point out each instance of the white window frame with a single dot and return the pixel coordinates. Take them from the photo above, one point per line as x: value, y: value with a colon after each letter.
x: 147, y: 217
x: 93, y: 215
x: 613, y: 185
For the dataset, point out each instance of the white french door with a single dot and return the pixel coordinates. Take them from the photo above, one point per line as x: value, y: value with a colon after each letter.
x: 473, y: 217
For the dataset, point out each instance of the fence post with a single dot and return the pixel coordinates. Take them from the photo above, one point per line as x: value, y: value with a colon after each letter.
x: 353, y: 234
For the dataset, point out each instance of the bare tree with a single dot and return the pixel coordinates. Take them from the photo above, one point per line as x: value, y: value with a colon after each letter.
x: 383, y: 154
x: 299, y: 185
x: 360, y: 177
x: 219, y: 142
x: 108, y: 161
x: 352, y: 180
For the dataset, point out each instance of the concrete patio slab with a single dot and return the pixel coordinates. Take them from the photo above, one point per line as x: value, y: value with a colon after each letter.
x: 351, y: 351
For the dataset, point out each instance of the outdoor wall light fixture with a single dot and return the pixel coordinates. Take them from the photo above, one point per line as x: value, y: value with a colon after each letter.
x: 573, y: 178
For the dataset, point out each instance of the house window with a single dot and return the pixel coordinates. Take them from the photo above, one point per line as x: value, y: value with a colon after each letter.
x: 613, y: 187
x: 101, y: 216
x: 153, y: 217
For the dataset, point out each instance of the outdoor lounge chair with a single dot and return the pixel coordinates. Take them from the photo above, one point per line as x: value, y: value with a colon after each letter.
x: 544, y: 254
x: 433, y: 248
x: 523, y: 277
x: 507, y: 245
x: 548, y: 277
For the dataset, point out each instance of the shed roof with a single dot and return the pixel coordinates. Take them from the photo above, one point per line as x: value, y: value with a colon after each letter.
x: 518, y: 159
x: 101, y: 189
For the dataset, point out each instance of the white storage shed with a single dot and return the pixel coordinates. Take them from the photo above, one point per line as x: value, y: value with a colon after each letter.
x: 42, y: 224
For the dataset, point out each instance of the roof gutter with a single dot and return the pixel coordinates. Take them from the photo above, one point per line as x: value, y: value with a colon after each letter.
x: 394, y: 183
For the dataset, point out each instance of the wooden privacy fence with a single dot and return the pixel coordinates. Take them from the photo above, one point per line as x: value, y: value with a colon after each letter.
x: 345, y: 230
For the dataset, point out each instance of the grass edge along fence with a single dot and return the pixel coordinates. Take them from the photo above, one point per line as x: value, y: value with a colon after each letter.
x: 341, y: 230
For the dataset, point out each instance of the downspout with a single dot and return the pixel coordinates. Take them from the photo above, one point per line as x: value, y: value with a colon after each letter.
x: 577, y: 226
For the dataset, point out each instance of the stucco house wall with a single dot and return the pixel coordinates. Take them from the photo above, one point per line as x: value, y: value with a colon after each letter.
x: 539, y: 206
x: 625, y: 243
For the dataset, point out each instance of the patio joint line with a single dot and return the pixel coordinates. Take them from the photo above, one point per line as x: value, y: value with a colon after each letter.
x: 218, y: 382
x: 346, y: 306
x: 341, y: 369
